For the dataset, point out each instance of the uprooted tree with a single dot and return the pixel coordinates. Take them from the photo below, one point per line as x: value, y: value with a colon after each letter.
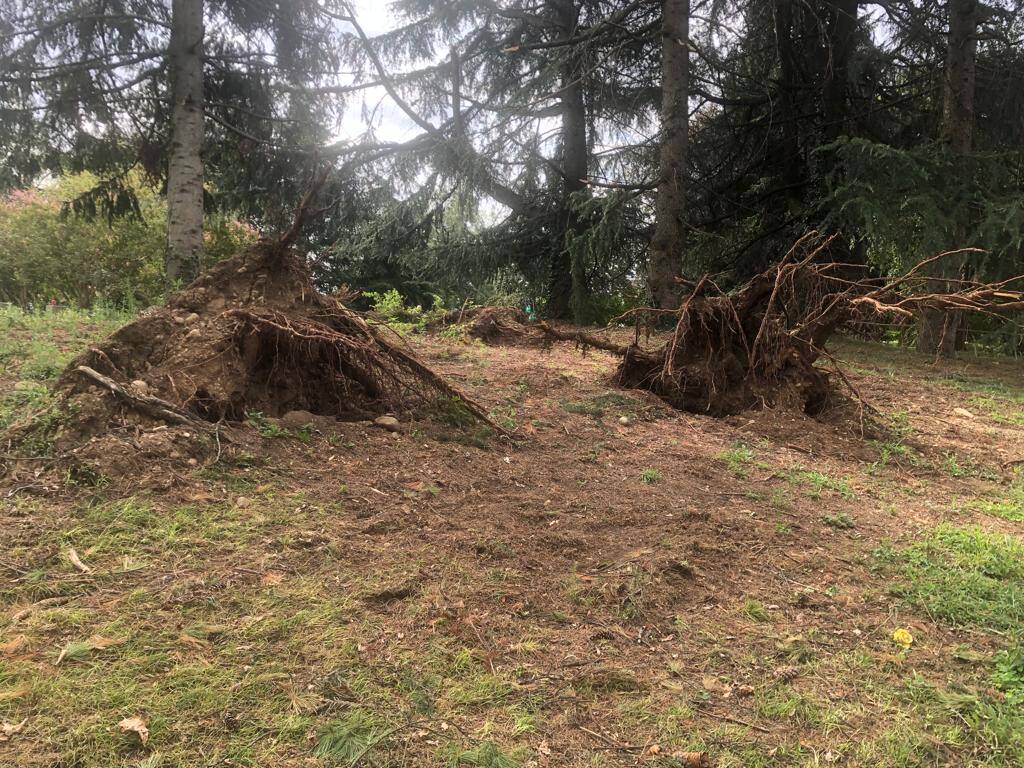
x: 760, y: 344
x: 249, y: 335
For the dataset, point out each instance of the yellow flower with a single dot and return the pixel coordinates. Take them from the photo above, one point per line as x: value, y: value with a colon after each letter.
x: 903, y: 638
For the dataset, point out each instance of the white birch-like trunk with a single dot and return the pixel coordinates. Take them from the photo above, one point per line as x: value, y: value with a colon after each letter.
x: 666, y: 250
x: 185, y: 164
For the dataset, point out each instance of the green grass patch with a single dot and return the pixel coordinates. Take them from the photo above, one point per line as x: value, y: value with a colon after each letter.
x: 597, y: 407
x: 736, y: 459
x: 820, y: 482
x: 650, y: 476
x: 1011, y: 508
x: 839, y: 520
x: 962, y: 576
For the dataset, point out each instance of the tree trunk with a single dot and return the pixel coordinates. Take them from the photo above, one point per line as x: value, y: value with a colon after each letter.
x: 185, y: 165
x: 666, y: 252
x: 792, y: 163
x: 938, y: 331
x: 842, y: 24
x: 566, y: 288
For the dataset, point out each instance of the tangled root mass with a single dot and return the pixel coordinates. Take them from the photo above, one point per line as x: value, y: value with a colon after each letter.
x: 252, y: 334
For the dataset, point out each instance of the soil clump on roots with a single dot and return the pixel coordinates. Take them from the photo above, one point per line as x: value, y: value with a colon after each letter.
x: 251, y: 335
x: 496, y: 326
x: 761, y: 344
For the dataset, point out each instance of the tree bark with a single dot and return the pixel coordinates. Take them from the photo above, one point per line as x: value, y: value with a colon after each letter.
x: 792, y: 162
x: 666, y: 251
x: 566, y: 285
x: 938, y: 331
x: 185, y: 164
x: 842, y: 24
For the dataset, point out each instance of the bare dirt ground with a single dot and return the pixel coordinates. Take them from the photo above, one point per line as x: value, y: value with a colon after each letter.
x: 628, y: 585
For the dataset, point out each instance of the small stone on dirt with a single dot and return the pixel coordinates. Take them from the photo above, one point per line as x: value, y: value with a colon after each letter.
x: 297, y: 419
x: 191, y: 319
x: 390, y: 423
x: 243, y: 502
x: 624, y: 421
x: 140, y: 387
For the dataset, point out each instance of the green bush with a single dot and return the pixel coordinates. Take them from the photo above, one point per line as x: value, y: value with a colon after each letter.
x: 47, y: 255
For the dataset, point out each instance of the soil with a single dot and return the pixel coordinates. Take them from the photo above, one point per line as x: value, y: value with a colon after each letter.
x: 250, y: 338
x: 602, y: 561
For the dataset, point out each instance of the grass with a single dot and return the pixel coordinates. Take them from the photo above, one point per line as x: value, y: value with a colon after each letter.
x: 755, y: 610
x: 995, y: 399
x: 737, y: 458
x: 820, y: 482
x: 34, y: 348
x: 178, y: 624
x: 597, y: 407
x: 1010, y: 508
x: 650, y: 476
x: 239, y: 672
x: 962, y: 576
x: 957, y: 466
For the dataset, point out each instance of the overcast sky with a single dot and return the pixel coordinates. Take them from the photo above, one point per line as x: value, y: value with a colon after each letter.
x: 389, y: 122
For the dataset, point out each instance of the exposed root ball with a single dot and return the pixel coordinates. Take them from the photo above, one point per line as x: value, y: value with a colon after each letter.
x: 252, y: 334
x: 707, y: 367
x: 496, y: 325
x: 759, y: 345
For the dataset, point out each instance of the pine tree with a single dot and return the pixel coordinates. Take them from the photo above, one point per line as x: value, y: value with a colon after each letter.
x: 107, y: 86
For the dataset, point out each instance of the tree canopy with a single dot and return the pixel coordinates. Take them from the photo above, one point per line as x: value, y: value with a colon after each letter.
x: 538, y: 152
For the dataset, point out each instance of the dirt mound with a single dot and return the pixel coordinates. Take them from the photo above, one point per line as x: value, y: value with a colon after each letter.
x: 250, y: 335
x: 496, y: 325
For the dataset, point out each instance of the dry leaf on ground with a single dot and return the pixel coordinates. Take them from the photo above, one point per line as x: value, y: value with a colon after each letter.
x: 7, y: 730
x: 135, y: 725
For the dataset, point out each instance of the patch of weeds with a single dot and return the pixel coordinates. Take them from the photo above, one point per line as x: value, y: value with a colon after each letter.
x: 780, y: 702
x: 258, y: 421
x: 42, y: 414
x: 820, y: 482
x: 352, y: 737
x: 780, y: 502
x: 43, y: 361
x: 737, y: 458
x: 1008, y: 675
x: 598, y: 406
x: 631, y: 595
x: 505, y: 417
x: 578, y: 591
x: 839, y: 520
x: 894, y: 449
x: 22, y: 400
x: 650, y: 476
x: 963, y: 576
x: 955, y: 466
x: 755, y: 610
x: 391, y: 308
x: 1011, y: 508
x: 452, y: 333
x: 990, y: 728
x: 485, y: 755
